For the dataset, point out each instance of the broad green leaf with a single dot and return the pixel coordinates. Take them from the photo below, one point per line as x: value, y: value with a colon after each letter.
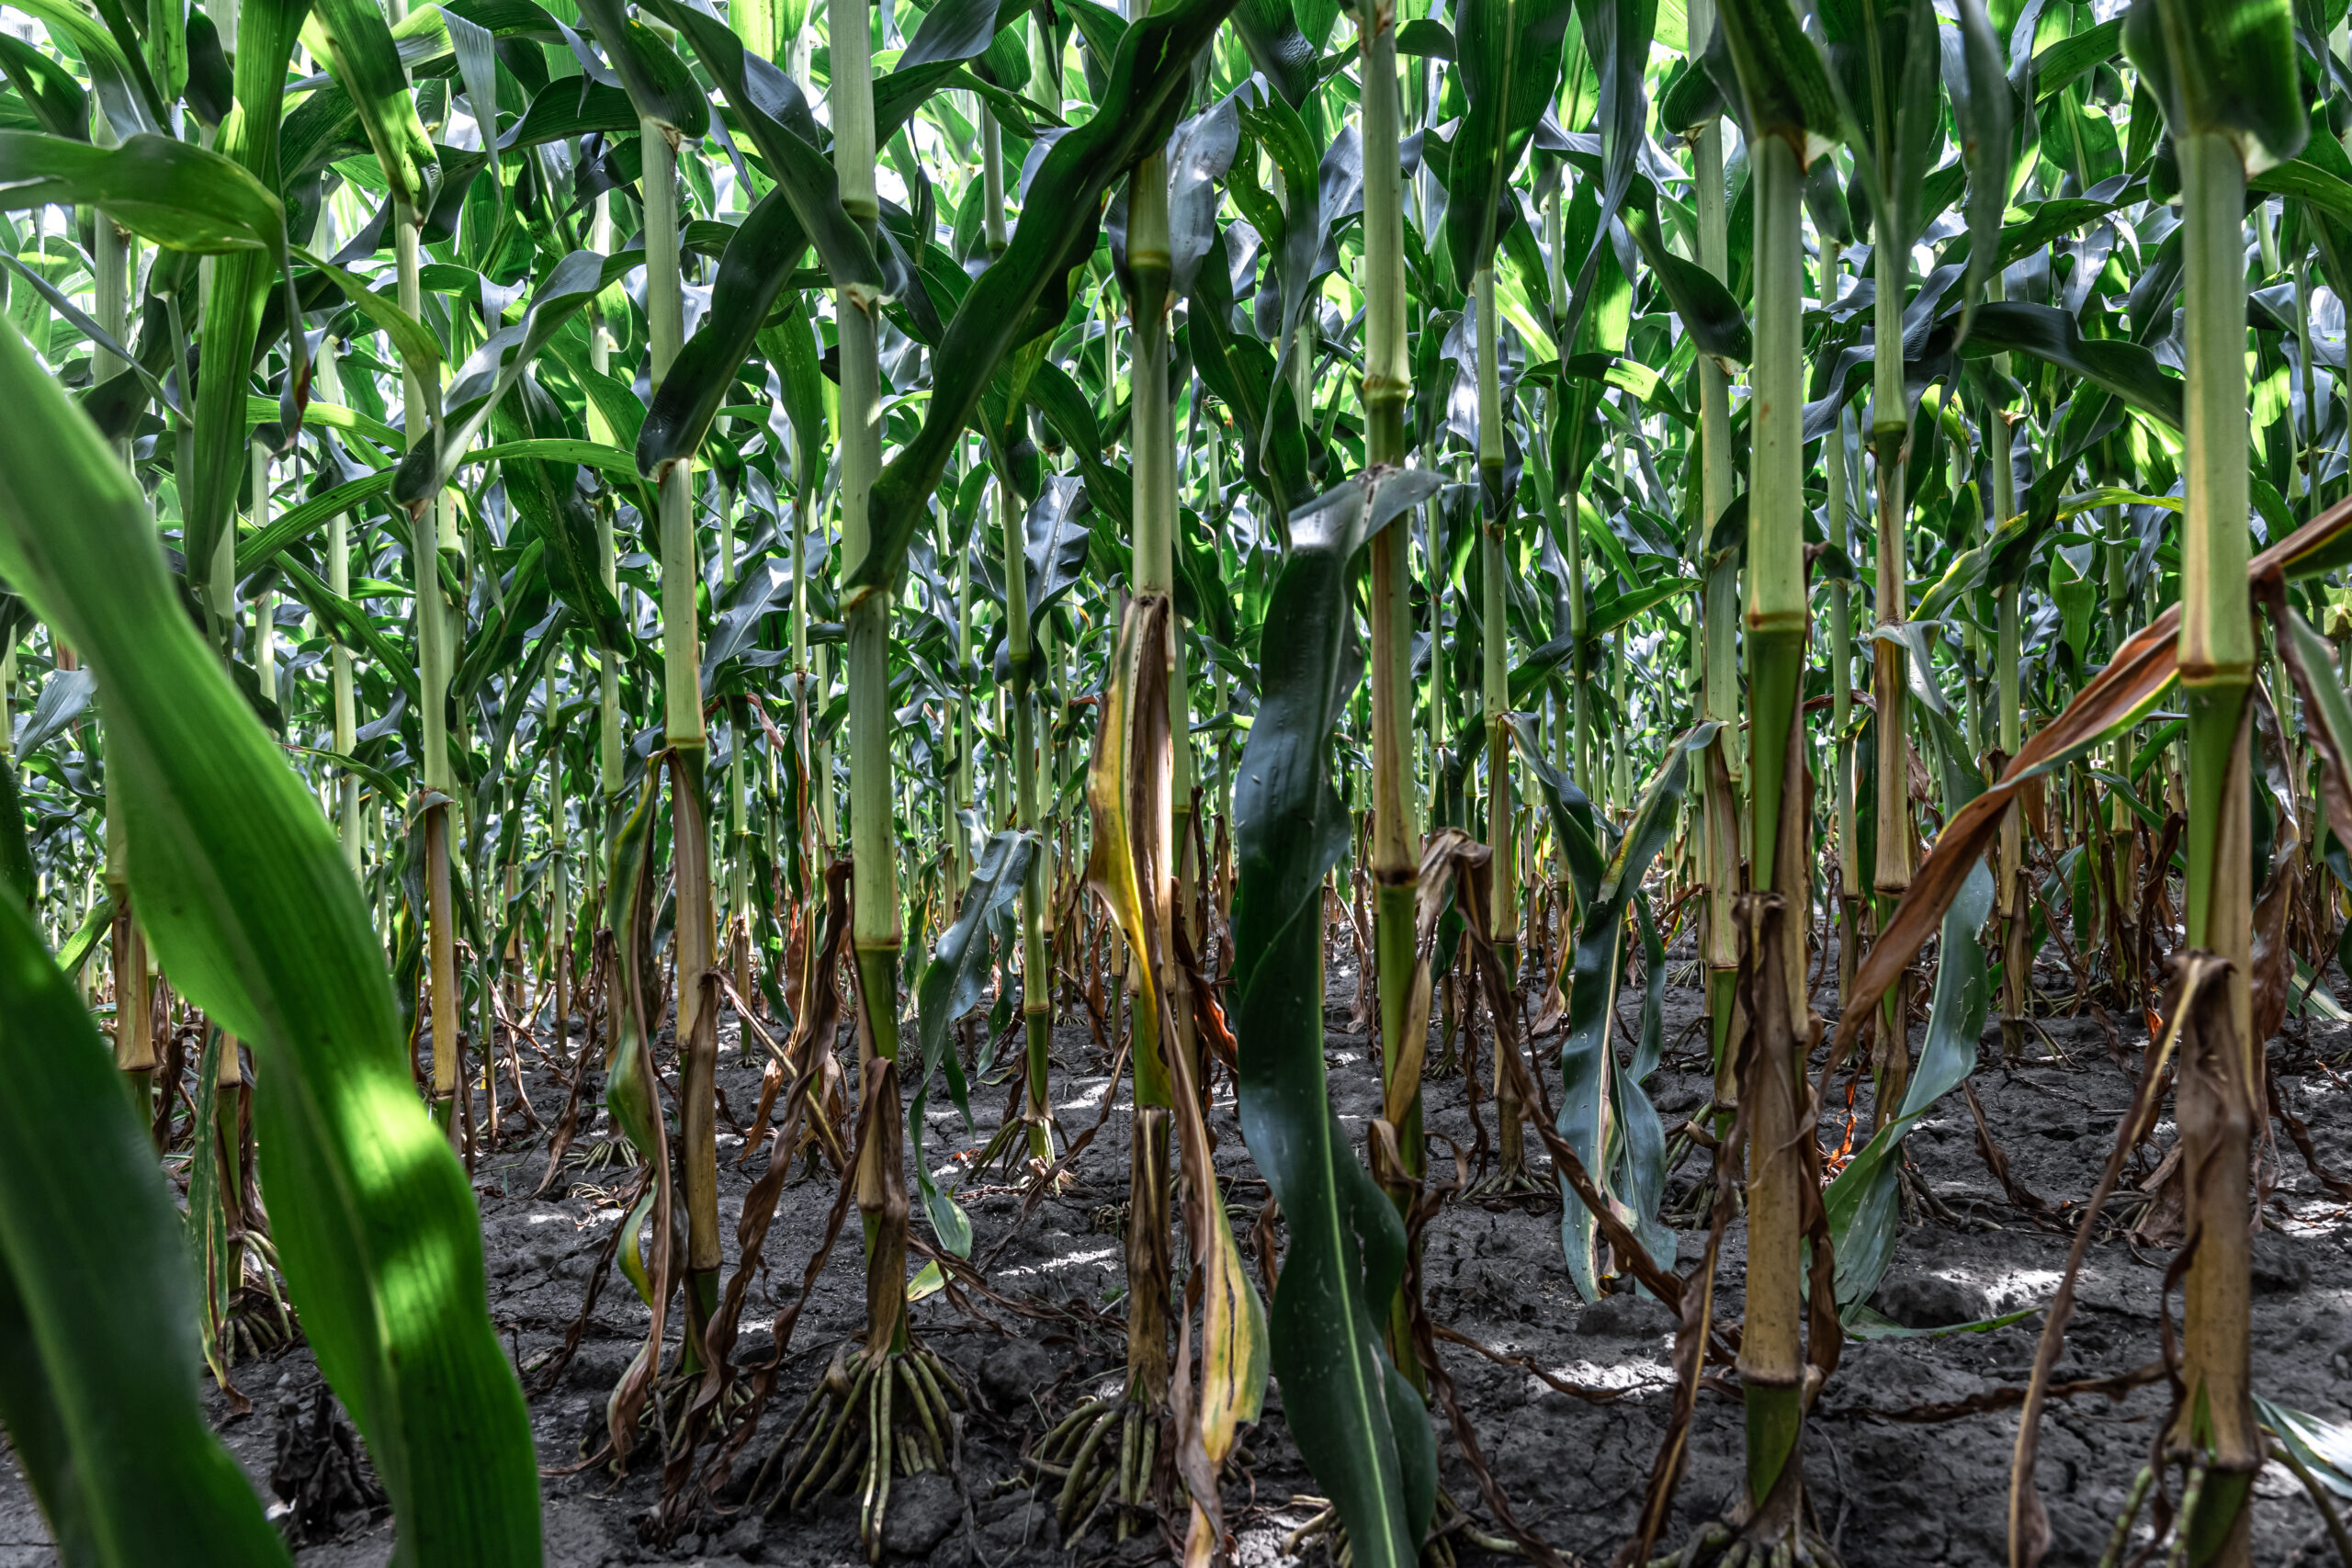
x: 657, y: 82
x: 359, y: 47
x: 774, y: 112
x: 243, y: 889
x: 216, y: 469
x: 1506, y: 58
x: 1981, y: 103
x: 759, y: 261
x: 1149, y: 80
x: 2223, y: 67
x: 950, y: 987
x: 1783, y: 88
x: 99, y: 1386
x: 1594, y: 1091
x: 1361, y: 1429
x: 174, y: 193
x: 2048, y: 334
x: 484, y: 378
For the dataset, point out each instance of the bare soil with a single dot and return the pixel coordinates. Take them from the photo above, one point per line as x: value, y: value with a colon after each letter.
x: 1889, y: 1489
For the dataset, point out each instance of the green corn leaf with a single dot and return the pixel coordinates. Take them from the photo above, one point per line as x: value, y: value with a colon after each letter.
x: 1269, y: 35
x: 125, y: 91
x: 1707, y: 309
x: 760, y: 260
x: 1594, y: 1099
x: 1360, y: 1425
x: 2048, y: 334
x: 1149, y: 80
x: 1780, y: 86
x: 266, y: 33
x: 950, y: 987
x: 242, y: 888
x: 771, y: 108
x: 483, y: 379
x: 1864, y: 1217
x: 2223, y: 67
x: 1981, y: 103
x: 1617, y: 38
x: 959, y: 30
x: 657, y: 82
x: 99, y: 1389
x: 418, y: 348
x: 174, y: 193
x: 1507, y: 59
x: 791, y: 348
x: 49, y: 89
x: 359, y: 47
x: 548, y: 496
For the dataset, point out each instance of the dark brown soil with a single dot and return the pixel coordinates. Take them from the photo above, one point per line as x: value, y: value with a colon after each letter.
x: 1889, y: 1491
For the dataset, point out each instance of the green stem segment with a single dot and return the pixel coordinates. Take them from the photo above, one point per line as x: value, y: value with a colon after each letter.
x: 1396, y: 832
x: 875, y: 923
x: 1771, y: 1359
x: 1149, y: 1263
x: 2217, y: 662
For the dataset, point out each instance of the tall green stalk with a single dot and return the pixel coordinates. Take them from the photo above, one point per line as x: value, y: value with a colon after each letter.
x: 426, y: 521
x: 1839, y: 525
x: 1494, y: 515
x: 1149, y: 1261
x: 1719, y: 655
x: 1036, y: 976
x: 1771, y: 1357
x: 1890, y: 666
x: 1396, y: 830
x: 2217, y: 662
x: 687, y: 741
x: 875, y: 923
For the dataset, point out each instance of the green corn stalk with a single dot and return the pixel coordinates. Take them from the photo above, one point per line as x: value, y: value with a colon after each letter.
x: 875, y: 921
x: 1772, y: 1363
x: 1395, y: 860
x: 1149, y: 1263
x: 1718, y: 858
x: 1036, y: 974
x: 2224, y: 72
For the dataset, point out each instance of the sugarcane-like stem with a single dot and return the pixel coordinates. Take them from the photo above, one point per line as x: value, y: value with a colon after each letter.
x: 1148, y: 1259
x: 134, y: 1039
x: 1396, y: 831
x: 433, y: 681
x: 875, y: 920
x: 1771, y: 1360
x: 687, y: 739
x: 1036, y: 976
x: 1838, y: 521
x: 1718, y: 655
x: 2217, y: 659
x: 610, y: 760
x: 992, y: 184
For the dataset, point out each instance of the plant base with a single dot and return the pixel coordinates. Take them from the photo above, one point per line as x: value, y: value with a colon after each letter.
x: 871, y: 1418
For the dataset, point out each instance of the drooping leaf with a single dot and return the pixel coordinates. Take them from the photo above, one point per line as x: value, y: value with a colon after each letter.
x: 99, y: 1386
x: 243, y: 889
x: 950, y: 987
x: 1360, y: 1425
x: 1148, y: 79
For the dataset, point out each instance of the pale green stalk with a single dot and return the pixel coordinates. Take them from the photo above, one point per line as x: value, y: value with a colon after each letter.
x: 1396, y: 831
x: 687, y: 740
x: 1718, y: 655
x: 1149, y: 1263
x: 876, y: 928
x: 2217, y: 661
x: 1771, y: 1356
x: 1036, y: 976
x: 610, y: 757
